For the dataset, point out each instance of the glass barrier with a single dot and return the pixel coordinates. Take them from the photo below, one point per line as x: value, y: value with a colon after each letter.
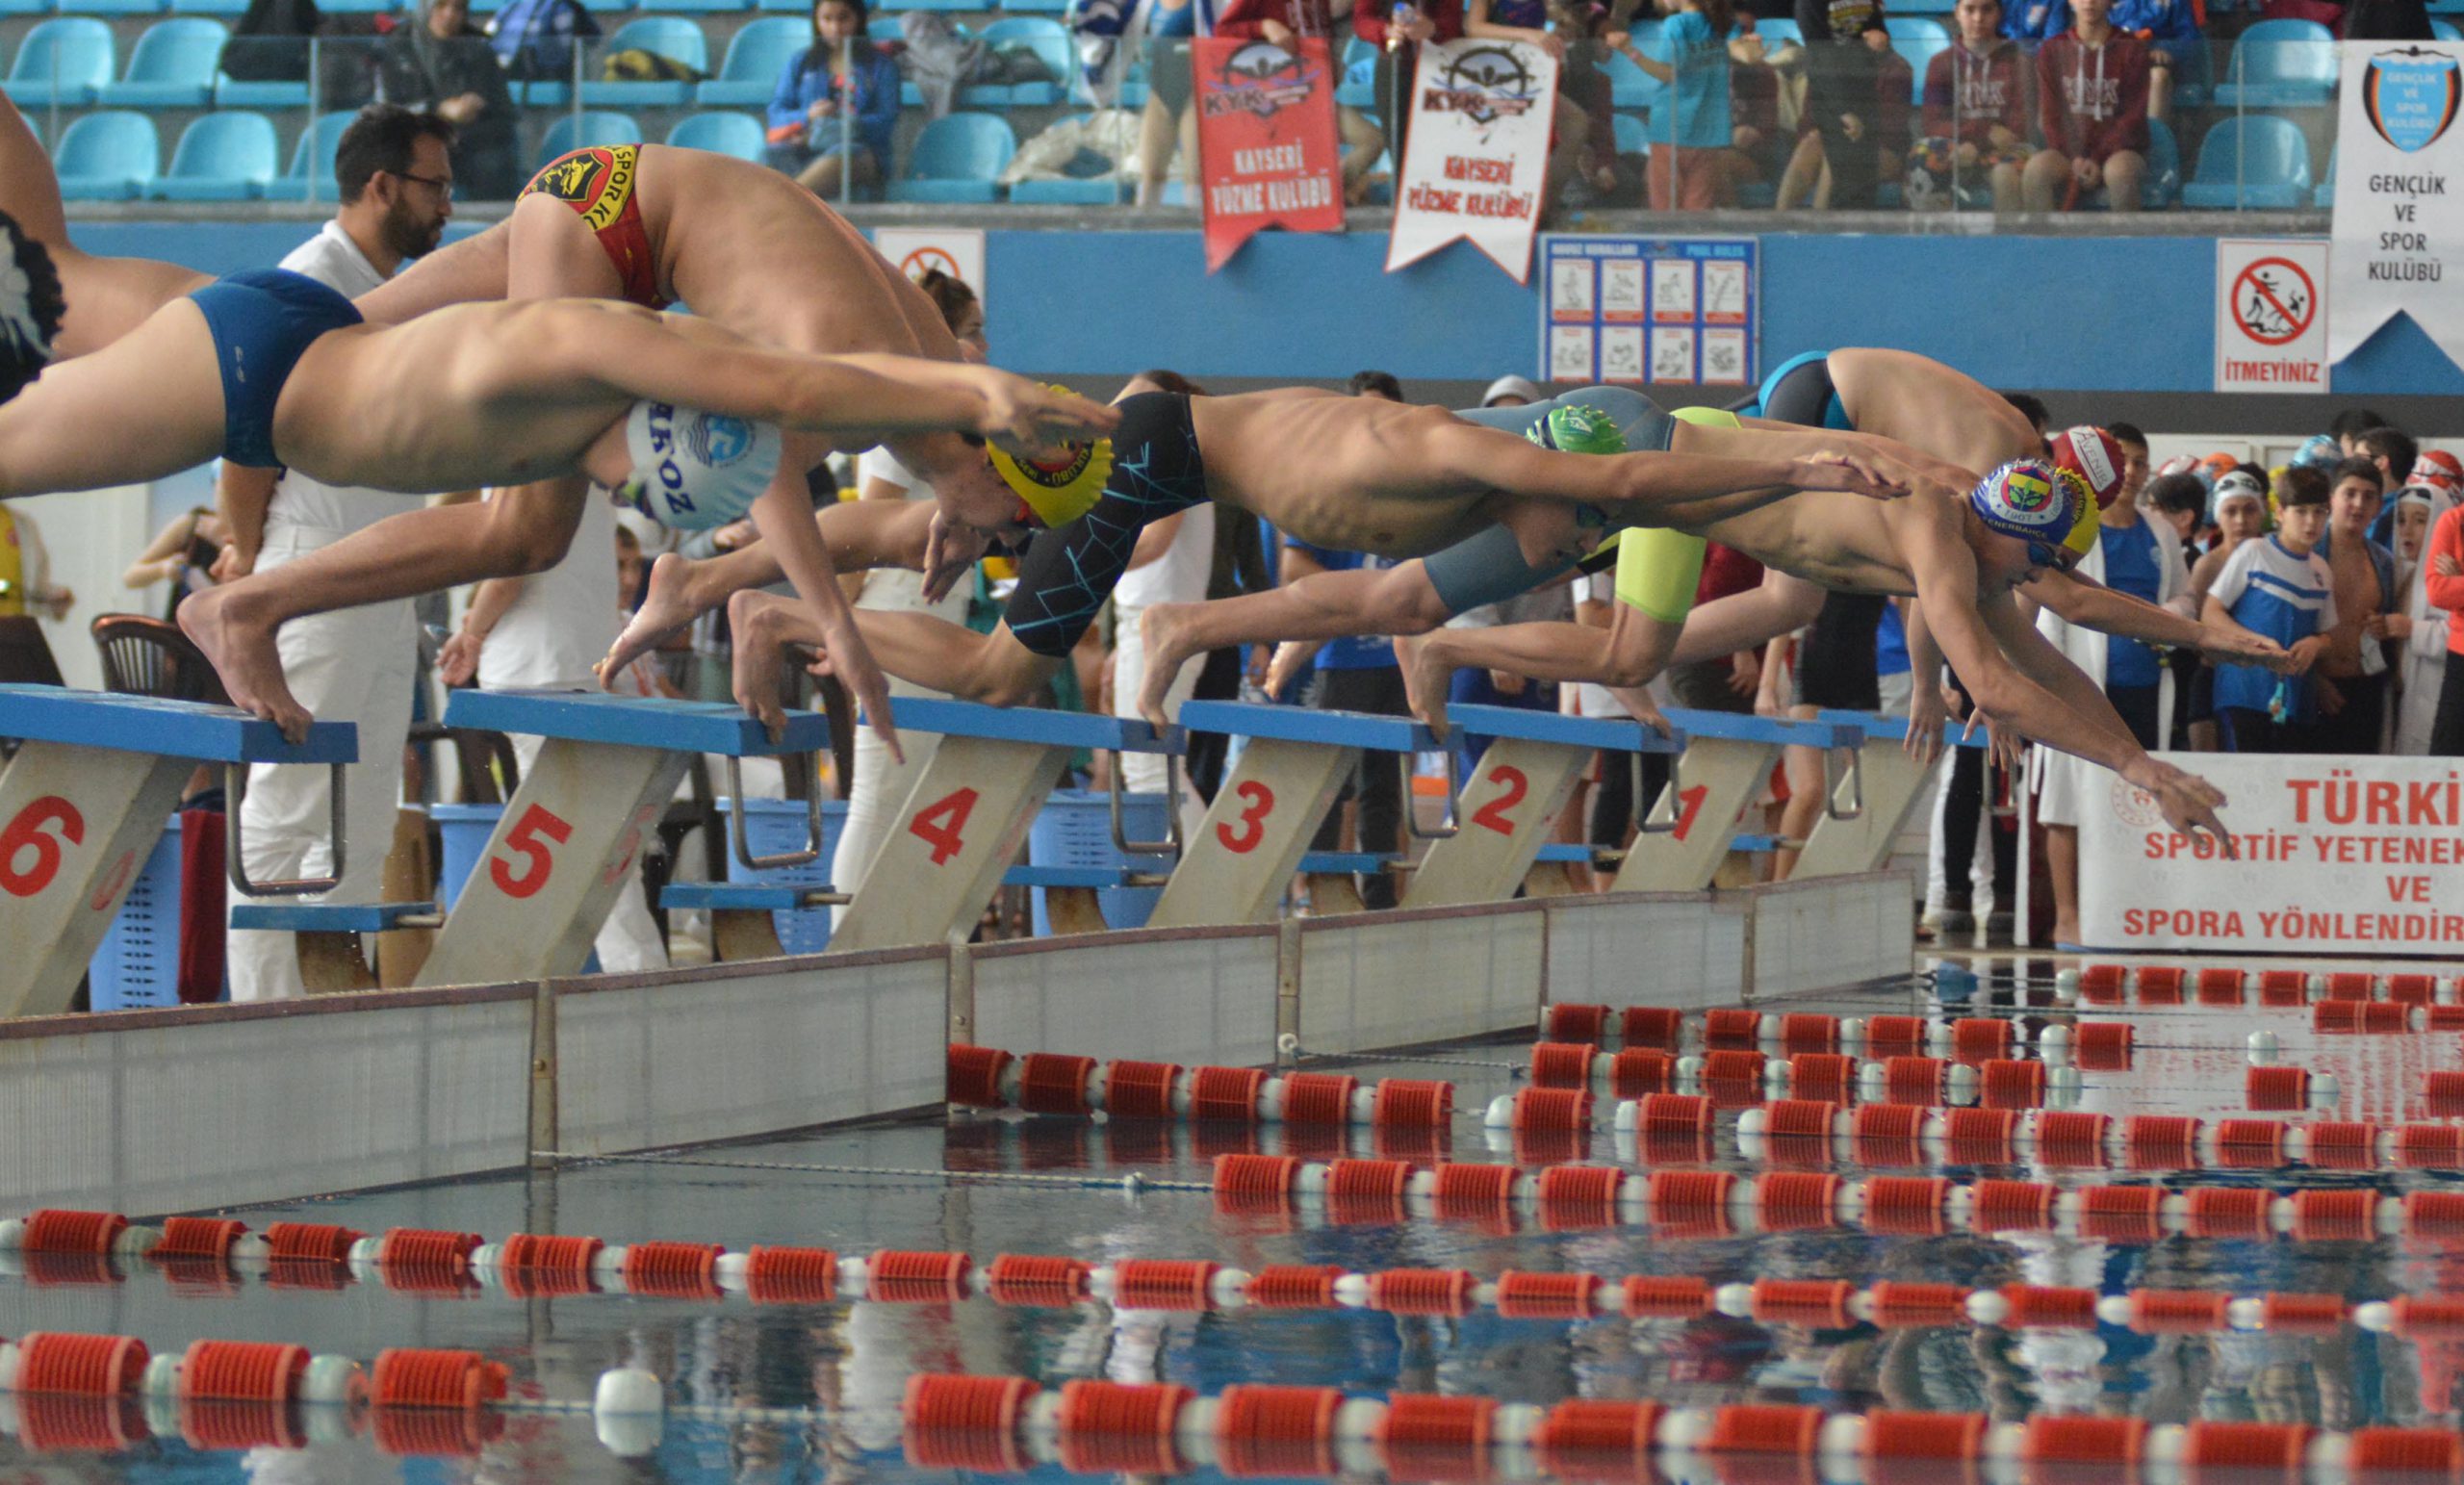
x: 2240, y: 118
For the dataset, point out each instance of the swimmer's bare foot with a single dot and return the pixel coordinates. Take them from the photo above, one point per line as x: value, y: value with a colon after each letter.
x: 1166, y: 630
x: 668, y: 607
x: 242, y: 653
x: 1428, y: 673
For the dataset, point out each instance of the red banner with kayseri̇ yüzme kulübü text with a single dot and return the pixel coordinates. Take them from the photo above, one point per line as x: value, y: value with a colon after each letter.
x: 1266, y: 140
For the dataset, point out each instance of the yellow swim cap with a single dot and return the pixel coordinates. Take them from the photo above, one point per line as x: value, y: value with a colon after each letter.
x: 1063, y: 490
x: 2083, y: 526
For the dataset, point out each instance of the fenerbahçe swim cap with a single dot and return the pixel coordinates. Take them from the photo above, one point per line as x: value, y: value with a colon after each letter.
x: 1578, y: 429
x: 2028, y: 498
x: 1061, y: 490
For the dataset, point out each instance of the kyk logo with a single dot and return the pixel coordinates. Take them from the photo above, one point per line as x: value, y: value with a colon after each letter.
x: 1484, y: 84
x: 1260, y: 77
x: 2410, y: 96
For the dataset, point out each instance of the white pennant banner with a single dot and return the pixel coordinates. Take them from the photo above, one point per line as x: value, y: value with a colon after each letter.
x: 1479, y: 152
x: 2400, y: 195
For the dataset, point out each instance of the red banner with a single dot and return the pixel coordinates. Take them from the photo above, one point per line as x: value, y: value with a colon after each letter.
x: 1266, y: 140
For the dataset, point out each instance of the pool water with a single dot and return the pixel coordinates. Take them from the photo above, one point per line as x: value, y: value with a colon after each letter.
x: 847, y: 1363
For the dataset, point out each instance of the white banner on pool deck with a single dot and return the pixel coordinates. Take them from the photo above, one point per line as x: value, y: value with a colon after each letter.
x: 2400, y: 194
x: 2350, y: 855
x: 1478, y: 153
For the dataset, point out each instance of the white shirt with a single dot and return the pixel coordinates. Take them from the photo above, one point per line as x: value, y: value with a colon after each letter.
x: 899, y: 589
x: 332, y: 259
x: 565, y: 619
x: 1179, y: 575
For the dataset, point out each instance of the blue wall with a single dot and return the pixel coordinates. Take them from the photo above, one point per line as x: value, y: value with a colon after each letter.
x: 2083, y: 314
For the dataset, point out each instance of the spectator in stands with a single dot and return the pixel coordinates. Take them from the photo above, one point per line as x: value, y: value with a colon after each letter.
x: 1691, y: 164
x: 1287, y: 23
x: 438, y: 62
x: 1756, y: 68
x: 2176, y: 52
x: 2181, y: 500
x: 394, y: 174
x: 1570, y: 130
x: 1169, y: 124
x: 2091, y: 95
x: 1397, y: 27
x: 183, y: 554
x: 1975, y: 116
x: 2137, y: 553
x: 1853, y: 125
x: 2239, y: 514
x: 2351, y: 674
x: 2444, y: 585
x: 2420, y: 632
x: 836, y: 106
x: 534, y: 39
x: 2387, y: 20
x: 2280, y: 587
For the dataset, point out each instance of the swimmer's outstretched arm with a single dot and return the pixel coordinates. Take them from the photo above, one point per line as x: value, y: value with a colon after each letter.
x: 1636, y: 489
x: 782, y: 514
x: 459, y: 272
x: 2093, y: 606
x: 993, y: 669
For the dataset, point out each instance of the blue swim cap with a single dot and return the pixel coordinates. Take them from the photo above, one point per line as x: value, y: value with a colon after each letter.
x: 2319, y: 451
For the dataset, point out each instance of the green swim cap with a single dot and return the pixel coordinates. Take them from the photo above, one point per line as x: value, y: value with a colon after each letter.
x: 1579, y: 429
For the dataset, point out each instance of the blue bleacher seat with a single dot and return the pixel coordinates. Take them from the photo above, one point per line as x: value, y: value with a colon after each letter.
x: 723, y: 134
x: 221, y: 157
x: 2446, y: 31
x: 1357, y: 85
x: 311, y: 176
x: 361, y: 7
x: 1910, y: 27
x: 114, y: 7
x: 932, y: 4
x: 171, y: 67
x: 224, y: 8
x: 1917, y: 49
x: 706, y: 7
x: 1040, y: 36
x: 2163, y: 186
x: 2324, y: 198
x: 2251, y: 162
x: 757, y: 54
x: 671, y: 37
x: 1035, y: 7
x: 574, y: 131
x: 62, y: 61
x: 2280, y: 63
x: 108, y: 156
x: 231, y: 93
x: 1778, y: 30
x: 24, y: 7
x: 1105, y: 191
x: 957, y: 159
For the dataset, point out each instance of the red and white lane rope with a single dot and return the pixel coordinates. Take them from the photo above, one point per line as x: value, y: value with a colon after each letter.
x: 1011, y: 1424
x: 2175, y: 985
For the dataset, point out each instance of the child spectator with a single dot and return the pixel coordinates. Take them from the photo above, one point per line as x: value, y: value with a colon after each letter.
x: 2239, y: 514
x: 1755, y: 82
x: 2182, y: 502
x: 2278, y: 587
x: 2443, y: 584
x: 2091, y: 96
x: 2420, y: 632
x: 1855, y: 120
x: 2348, y: 425
x: 2352, y: 683
x: 1976, y: 118
x: 2176, y: 52
x: 1689, y: 169
x: 2393, y: 451
x: 837, y: 105
x: 1570, y: 130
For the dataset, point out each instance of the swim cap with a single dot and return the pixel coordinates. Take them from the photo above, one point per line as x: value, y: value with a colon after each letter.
x: 2319, y: 451
x: 31, y: 307
x: 1058, y: 491
x: 2417, y: 495
x: 2240, y: 485
x: 2439, y: 471
x: 2030, y: 500
x: 695, y: 471
x: 1578, y: 429
x: 2093, y: 456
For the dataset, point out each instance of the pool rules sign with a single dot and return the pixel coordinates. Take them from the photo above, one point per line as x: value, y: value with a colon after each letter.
x: 2400, y: 195
x: 1478, y: 153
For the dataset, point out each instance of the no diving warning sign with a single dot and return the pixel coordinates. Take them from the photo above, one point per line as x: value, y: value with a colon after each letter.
x: 2271, y: 321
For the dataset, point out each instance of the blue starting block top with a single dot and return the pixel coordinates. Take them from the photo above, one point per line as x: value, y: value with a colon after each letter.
x: 327, y: 919
x: 1753, y: 843
x: 635, y: 722
x: 1875, y: 724
x: 727, y: 896
x: 1777, y: 733
x: 1065, y: 875
x: 1370, y: 861
x: 1030, y: 725
x: 178, y: 729
x: 1306, y: 725
x: 1549, y: 727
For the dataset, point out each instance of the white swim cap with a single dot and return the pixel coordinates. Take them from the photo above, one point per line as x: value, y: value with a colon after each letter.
x: 694, y: 471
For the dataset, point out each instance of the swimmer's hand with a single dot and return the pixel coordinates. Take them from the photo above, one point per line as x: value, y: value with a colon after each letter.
x: 1855, y: 474
x: 1927, y: 716
x: 457, y: 659
x: 2190, y: 803
x: 1639, y: 705
x: 950, y: 553
x: 2237, y: 646
x: 1291, y: 659
x: 1028, y: 419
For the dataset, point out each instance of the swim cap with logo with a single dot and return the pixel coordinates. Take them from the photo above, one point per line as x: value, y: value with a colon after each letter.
x: 31, y: 307
x: 1062, y: 489
x: 695, y: 471
x: 2093, y: 454
x: 2319, y: 451
x: 2439, y: 471
x: 2027, y: 498
x: 2240, y: 485
x: 1578, y: 429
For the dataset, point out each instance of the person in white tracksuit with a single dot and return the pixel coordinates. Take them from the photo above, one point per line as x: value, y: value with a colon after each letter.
x: 353, y: 665
x: 2422, y: 669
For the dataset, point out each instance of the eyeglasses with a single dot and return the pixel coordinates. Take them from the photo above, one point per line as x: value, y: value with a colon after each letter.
x: 443, y: 187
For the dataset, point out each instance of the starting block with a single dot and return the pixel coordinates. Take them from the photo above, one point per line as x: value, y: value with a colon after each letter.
x: 1509, y: 805
x: 570, y: 834
x: 970, y: 808
x: 741, y: 922
x: 1257, y: 832
x: 1691, y: 825
x: 1889, y: 781
x: 85, y: 799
